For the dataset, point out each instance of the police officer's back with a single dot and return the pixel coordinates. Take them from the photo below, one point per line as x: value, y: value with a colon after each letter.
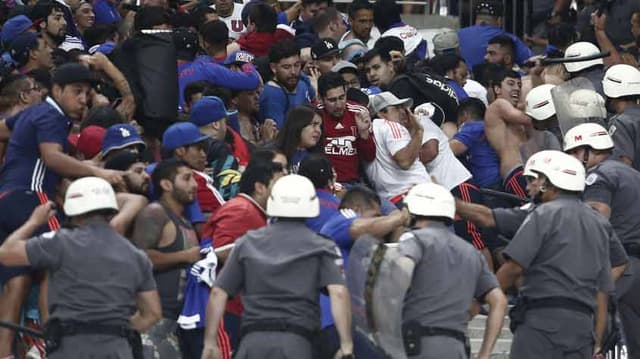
x: 280, y: 269
x: 562, y: 249
x: 96, y: 275
x: 448, y: 273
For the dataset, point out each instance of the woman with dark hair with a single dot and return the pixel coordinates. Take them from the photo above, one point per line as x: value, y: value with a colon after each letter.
x: 300, y: 135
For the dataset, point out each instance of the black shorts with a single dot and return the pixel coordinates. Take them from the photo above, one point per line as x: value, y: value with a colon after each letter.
x: 515, y: 183
x: 15, y: 209
x: 466, y: 229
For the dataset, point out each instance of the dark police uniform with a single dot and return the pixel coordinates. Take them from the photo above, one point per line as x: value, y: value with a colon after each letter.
x: 625, y: 131
x: 595, y: 75
x: 563, y: 247
x: 280, y: 270
x: 432, y: 302
x: 95, y: 276
x: 509, y: 220
x: 617, y: 185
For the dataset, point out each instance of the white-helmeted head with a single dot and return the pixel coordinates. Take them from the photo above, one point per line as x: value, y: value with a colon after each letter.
x: 89, y: 194
x: 586, y: 103
x: 430, y: 200
x: 580, y: 49
x: 540, y: 105
x: 561, y: 169
x: 293, y: 196
x: 531, y: 168
x: 588, y: 134
x: 620, y: 81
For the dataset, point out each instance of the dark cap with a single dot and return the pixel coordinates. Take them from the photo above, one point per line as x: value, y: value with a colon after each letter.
x: 186, y: 43
x: 317, y: 168
x: 489, y: 7
x: 356, y: 95
x: 14, y: 27
x: 324, y: 47
x: 122, y: 161
x: 239, y: 58
x: 21, y: 45
x: 73, y: 73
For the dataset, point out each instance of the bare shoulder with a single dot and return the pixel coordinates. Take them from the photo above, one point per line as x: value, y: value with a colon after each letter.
x: 149, y: 226
x: 153, y: 210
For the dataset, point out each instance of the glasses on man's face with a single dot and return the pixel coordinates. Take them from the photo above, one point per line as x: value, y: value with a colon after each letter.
x: 31, y: 89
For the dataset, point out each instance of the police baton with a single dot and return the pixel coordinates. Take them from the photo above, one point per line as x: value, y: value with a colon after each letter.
x: 564, y: 60
x: 508, y: 196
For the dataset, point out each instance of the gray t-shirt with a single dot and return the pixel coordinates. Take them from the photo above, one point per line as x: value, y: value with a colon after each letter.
x: 280, y: 270
x: 95, y: 273
x: 563, y: 246
x: 624, y: 130
x: 449, y: 273
x: 618, y: 186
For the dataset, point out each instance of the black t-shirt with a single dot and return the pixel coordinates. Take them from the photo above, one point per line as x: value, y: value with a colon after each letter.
x: 424, y: 87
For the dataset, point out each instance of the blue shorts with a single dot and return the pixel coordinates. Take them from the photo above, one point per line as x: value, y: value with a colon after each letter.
x: 15, y: 209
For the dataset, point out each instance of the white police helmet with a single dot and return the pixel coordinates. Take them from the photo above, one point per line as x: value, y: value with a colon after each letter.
x: 293, y: 196
x: 588, y: 134
x: 89, y: 194
x: 534, y: 163
x: 540, y: 105
x: 580, y: 49
x: 563, y: 171
x: 621, y: 80
x: 430, y: 200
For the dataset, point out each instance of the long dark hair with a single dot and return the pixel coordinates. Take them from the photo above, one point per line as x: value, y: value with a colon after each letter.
x: 289, y: 136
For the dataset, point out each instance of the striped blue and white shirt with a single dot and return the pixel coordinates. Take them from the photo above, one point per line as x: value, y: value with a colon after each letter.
x: 24, y: 168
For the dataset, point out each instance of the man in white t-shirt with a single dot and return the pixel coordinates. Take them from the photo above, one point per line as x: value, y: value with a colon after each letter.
x: 231, y: 13
x: 447, y: 170
x: 398, y: 138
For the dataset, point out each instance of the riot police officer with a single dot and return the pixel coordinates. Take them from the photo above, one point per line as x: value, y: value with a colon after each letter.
x: 613, y: 189
x: 280, y: 269
x: 621, y: 85
x: 436, y: 311
x: 562, y: 250
x: 98, y: 278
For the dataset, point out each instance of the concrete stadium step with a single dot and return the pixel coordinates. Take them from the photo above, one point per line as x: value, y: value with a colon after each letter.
x: 476, y: 329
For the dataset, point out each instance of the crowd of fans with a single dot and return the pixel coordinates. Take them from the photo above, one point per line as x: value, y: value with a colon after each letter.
x: 193, y: 110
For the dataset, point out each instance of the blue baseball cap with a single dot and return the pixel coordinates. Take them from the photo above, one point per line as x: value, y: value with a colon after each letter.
x: 209, y: 109
x: 120, y: 136
x: 181, y: 134
x: 14, y: 27
x: 21, y: 45
x: 239, y: 57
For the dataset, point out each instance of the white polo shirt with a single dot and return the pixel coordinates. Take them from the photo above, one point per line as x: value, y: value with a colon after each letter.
x: 445, y: 168
x: 388, y: 178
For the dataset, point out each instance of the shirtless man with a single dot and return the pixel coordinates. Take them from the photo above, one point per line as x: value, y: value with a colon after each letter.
x: 505, y: 128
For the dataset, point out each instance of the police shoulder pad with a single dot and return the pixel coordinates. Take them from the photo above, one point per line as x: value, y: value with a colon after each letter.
x: 528, y: 207
x: 591, y: 179
x: 406, y: 235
